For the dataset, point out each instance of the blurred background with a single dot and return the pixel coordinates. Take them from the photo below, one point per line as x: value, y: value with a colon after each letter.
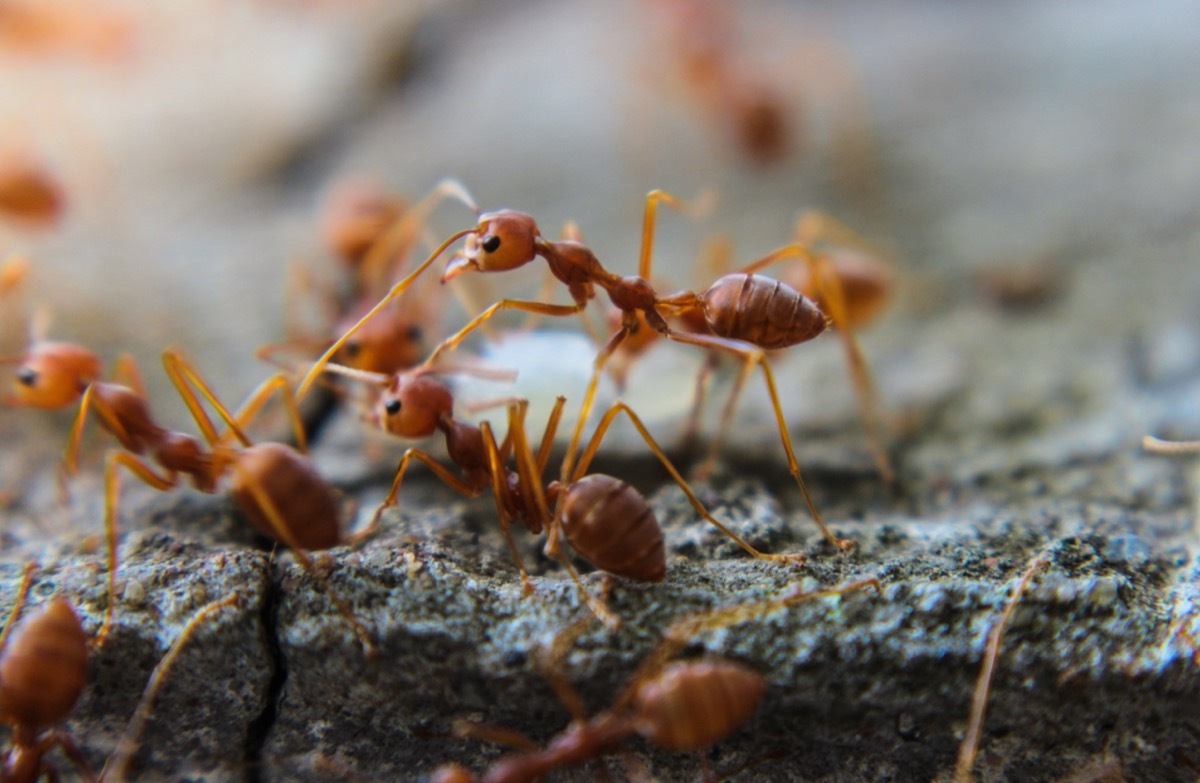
x: 1000, y: 155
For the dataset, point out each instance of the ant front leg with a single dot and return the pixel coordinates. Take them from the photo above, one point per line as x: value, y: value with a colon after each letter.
x: 452, y: 342
x: 449, y: 479
x: 496, y: 457
x: 590, y: 452
x: 184, y: 375
x: 140, y: 469
x: 531, y: 484
x: 752, y: 356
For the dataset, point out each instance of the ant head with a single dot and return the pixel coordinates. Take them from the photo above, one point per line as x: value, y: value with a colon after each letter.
x: 502, y: 241
x: 386, y: 344
x: 413, y: 405
x: 452, y: 773
x: 54, y: 375
x: 353, y: 217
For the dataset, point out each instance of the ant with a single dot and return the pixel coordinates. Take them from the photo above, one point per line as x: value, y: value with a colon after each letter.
x: 605, y: 521
x: 43, y: 671
x: 29, y: 194
x: 274, y: 485
x: 745, y: 314
x: 44, y: 27
x: 675, y: 705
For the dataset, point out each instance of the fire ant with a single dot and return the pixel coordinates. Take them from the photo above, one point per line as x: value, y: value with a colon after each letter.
x: 274, y: 486
x: 29, y: 194
x: 605, y: 521
x: 42, y: 674
x: 675, y: 705
x: 745, y: 314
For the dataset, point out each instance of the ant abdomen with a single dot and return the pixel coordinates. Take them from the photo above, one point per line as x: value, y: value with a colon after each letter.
x: 609, y: 523
x: 300, y: 497
x: 761, y: 310
x: 691, y: 705
x: 44, y: 667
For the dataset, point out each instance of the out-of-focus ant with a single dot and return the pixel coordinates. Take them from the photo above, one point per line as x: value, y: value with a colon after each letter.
x: 46, y: 27
x: 29, y: 194
x: 745, y: 314
x: 43, y: 671
x: 675, y: 705
x: 275, y: 486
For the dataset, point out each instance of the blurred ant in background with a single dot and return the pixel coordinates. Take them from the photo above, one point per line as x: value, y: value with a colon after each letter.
x: 676, y: 705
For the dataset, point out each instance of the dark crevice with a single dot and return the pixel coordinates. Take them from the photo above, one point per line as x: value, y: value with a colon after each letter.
x: 260, y: 728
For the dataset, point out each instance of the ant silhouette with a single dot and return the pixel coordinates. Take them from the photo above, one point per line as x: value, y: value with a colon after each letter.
x: 745, y: 314
x: 675, y: 705
x: 29, y: 193
x: 43, y: 671
x: 274, y: 485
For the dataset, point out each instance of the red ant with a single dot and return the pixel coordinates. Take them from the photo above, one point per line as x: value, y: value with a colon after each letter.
x: 29, y: 194
x: 274, y: 486
x: 40, y: 27
x: 605, y: 521
x: 43, y: 671
x: 371, y: 233
x: 674, y: 705
x: 745, y: 314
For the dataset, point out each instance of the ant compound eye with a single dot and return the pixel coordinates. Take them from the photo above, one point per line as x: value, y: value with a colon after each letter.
x: 415, y: 333
x: 353, y: 350
x: 491, y: 244
x: 392, y: 407
x: 27, y: 376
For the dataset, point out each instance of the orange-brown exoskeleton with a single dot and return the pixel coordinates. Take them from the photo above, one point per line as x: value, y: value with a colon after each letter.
x: 275, y: 486
x: 46, y: 27
x: 29, y: 194
x: 675, y: 705
x: 745, y: 314
x: 43, y: 671
x: 605, y: 521
x: 49, y: 374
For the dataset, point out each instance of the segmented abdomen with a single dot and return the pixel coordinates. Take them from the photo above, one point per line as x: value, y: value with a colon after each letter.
x: 609, y: 524
x: 690, y: 705
x: 761, y: 310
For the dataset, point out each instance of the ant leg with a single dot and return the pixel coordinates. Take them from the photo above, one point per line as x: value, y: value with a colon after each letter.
x: 253, y: 404
x: 833, y: 295
x: 1170, y: 448
x: 550, y: 661
x: 531, y: 484
x: 450, y: 480
x: 814, y: 227
x: 397, y: 240
x: 970, y: 741
x: 127, y: 744
x: 752, y: 355
x: 589, y: 399
x: 141, y: 470
x: 590, y: 452
x: 73, y: 753
x: 701, y: 205
x: 543, y: 454
x: 500, y: 493
x: 281, y: 533
x: 681, y: 632
x: 497, y: 734
x: 126, y: 372
x: 183, y: 375
x: 451, y: 342
x: 19, y: 603
x: 396, y: 290
x: 691, y: 428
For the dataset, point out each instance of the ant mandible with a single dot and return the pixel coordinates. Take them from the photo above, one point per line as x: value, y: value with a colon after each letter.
x: 43, y: 672
x: 675, y: 705
x: 746, y: 314
x: 275, y: 487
